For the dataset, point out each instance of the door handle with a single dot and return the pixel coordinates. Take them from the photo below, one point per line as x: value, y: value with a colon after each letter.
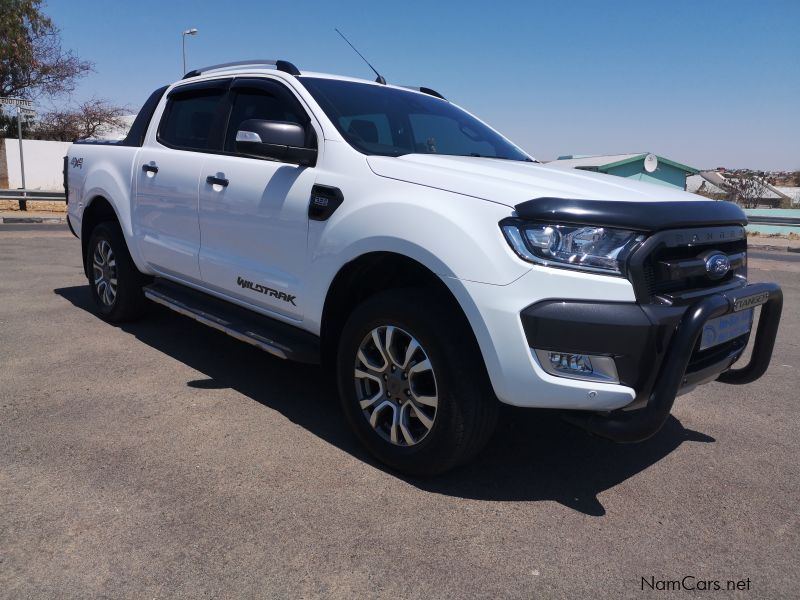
x: 214, y: 180
x: 150, y: 168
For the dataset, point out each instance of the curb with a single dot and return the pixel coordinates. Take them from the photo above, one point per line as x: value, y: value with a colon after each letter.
x: 771, y: 248
x: 9, y: 220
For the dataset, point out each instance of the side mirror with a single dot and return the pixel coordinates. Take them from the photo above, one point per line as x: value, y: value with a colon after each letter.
x: 277, y: 140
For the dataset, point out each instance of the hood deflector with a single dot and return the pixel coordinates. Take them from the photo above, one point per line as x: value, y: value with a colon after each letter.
x: 638, y: 216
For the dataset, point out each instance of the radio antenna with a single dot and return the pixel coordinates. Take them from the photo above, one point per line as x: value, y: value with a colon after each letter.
x: 380, y: 78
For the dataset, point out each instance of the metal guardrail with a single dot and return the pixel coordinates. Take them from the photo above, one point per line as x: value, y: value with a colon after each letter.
x: 766, y: 220
x: 22, y: 196
x: 32, y: 195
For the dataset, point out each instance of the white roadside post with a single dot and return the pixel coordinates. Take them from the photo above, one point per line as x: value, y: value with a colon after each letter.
x: 23, y: 107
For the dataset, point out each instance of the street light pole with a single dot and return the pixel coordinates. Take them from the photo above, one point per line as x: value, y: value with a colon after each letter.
x: 191, y: 31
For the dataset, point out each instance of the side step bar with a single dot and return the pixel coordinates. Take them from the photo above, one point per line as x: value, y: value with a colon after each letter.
x: 277, y: 338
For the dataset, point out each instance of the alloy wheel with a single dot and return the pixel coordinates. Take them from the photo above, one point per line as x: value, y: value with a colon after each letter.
x: 396, y: 385
x: 104, y: 267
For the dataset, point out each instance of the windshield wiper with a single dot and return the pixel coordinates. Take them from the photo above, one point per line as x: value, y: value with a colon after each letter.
x: 471, y: 154
x: 526, y: 159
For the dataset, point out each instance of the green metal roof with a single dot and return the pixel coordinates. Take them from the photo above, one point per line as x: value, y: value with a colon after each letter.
x: 603, y: 163
x: 661, y: 159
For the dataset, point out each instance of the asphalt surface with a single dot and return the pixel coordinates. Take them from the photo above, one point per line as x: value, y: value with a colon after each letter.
x: 163, y: 459
x: 791, y: 257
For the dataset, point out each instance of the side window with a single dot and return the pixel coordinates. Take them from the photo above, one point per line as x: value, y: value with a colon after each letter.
x: 267, y: 101
x: 188, y: 118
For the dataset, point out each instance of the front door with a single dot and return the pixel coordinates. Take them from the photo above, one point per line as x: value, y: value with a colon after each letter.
x: 254, y: 212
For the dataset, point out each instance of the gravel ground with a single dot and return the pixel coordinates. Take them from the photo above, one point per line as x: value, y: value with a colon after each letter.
x: 162, y: 459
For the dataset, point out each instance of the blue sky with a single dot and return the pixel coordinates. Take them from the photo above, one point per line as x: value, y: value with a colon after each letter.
x: 707, y: 83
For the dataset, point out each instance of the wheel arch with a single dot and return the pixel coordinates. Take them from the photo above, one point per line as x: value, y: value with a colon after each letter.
x: 369, y: 274
x: 98, y: 210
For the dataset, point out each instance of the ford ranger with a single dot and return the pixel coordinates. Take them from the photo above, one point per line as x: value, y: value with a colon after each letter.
x: 432, y: 267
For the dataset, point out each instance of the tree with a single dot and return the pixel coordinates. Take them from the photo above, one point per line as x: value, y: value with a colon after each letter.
x: 86, y: 120
x: 749, y: 187
x: 8, y: 124
x: 32, y: 62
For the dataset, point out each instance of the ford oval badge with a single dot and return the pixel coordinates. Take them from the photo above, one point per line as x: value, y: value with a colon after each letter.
x: 717, y: 266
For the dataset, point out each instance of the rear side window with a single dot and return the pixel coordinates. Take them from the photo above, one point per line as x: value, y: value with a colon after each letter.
x: 188, y: 119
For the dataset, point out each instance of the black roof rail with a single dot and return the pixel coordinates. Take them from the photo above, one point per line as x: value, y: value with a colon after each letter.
x: 280, y: 65
x: 425, y: 90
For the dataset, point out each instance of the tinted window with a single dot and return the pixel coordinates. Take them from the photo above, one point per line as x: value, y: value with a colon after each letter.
x: 438, y: 134
x: 368, y: 128
x: 188, y: 119
x: 268, y: 101
x: 377, y: 119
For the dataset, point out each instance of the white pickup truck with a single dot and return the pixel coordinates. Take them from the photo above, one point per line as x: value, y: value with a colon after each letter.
x: 429, y: 263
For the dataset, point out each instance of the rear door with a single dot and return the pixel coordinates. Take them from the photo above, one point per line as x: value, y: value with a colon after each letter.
x: 254, y: 228
x: 167, y: 174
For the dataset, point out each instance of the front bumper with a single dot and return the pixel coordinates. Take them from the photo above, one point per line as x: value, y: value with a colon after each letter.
x: 655, y: 347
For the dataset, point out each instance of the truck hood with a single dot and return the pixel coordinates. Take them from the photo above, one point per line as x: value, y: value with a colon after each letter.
x: 511, y: 182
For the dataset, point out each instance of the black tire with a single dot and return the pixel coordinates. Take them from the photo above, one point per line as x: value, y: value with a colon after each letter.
x: 466, y: 413
x: 128, y: 300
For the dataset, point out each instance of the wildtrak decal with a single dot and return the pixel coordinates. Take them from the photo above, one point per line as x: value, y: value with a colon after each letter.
x: 257, y: 287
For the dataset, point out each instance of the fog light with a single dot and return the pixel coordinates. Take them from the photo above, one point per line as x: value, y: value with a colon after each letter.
x: 579, y: 366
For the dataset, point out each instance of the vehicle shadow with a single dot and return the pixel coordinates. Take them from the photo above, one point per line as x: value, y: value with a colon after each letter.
x: 534, y: 455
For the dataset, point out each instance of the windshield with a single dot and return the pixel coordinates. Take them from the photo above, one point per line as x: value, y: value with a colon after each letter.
x: 381, y: 120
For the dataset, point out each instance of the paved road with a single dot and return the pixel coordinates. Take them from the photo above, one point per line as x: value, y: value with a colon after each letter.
x: 784, y: 257
x: 163, y: 459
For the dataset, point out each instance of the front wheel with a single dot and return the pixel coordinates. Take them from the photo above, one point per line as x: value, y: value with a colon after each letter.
x: 412, y: 383
x: 115, y: 283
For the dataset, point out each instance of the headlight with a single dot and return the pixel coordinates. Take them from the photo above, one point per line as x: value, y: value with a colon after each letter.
x: 597, y: 249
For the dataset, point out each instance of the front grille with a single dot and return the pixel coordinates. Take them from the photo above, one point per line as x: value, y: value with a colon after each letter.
x: 670, y: 265
x: 660, y: 283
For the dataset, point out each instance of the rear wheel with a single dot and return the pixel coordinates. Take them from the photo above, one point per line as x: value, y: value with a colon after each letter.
x: 412, y: 383
x: 115, y: 283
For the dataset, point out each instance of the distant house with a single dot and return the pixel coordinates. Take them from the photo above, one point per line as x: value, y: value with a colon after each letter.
x: 725, y: 185
x: 643, y: 166
x: 709, y: 183
x: 793, y: 193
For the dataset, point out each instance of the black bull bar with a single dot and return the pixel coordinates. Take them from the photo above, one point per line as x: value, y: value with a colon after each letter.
x: 638, y: 425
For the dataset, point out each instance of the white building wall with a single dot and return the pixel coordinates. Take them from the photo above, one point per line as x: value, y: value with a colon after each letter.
x: 43, y: 164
